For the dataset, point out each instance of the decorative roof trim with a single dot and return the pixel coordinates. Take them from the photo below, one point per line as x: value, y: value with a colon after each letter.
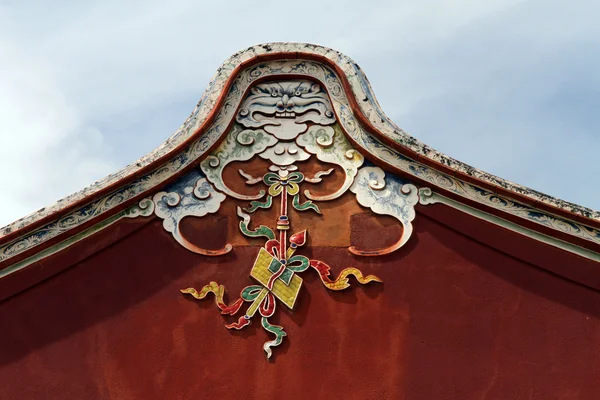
x: 145, y: 208
x: 426, y: 197
x: 361, y: 117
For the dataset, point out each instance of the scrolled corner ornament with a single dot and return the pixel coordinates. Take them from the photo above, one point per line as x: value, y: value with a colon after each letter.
x: 386, y: 195
x: 144, y: 208
x: 426, y: 196
x: 239, y: 145
x: 192, y: 196
x: 331, y: 146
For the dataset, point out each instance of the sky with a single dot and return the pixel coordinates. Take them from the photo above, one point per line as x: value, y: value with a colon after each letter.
x: 511, y: 87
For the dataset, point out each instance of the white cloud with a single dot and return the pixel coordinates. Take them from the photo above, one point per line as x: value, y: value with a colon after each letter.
x: 47, y: 151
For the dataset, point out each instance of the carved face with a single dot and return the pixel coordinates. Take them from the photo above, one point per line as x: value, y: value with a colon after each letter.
x: 283, y: 108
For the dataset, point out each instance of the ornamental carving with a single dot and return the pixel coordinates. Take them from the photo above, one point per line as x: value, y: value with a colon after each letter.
x: 285, y: 108
x: 288, y: 124
x: 330, y: 82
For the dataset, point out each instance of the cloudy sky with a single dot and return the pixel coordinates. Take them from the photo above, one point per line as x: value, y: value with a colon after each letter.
x: 511, y: 87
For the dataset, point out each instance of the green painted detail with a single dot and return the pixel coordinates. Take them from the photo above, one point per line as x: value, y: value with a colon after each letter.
x: 286, y: 275
x: 298, y: 263
x: 274, y: 266
x: 271, y: 178
x: 307, y: 205
x: 296, y: 177
x: 275, y: 330
x: 250, y: 293
x: 255, y: 205
x: 258, y: 232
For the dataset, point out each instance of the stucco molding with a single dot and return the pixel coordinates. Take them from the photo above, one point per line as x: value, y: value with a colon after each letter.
x: 215, y: 112
x: 428, y: 197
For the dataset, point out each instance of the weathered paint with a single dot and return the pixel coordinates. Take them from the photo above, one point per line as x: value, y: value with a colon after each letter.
x: 455, y: 319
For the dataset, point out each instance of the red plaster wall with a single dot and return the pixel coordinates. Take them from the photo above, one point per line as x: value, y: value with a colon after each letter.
x: 454, y: 319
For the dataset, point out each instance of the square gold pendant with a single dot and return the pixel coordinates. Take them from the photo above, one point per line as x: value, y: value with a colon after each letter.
x: 265, y: 266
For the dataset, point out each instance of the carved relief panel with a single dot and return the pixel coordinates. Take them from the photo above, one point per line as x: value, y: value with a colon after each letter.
x: 307, y: 161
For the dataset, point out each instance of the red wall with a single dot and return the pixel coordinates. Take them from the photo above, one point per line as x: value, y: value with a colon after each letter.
x: 454, y: 319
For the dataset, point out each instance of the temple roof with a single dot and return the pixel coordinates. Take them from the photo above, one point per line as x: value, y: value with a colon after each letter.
x: 442, y: 179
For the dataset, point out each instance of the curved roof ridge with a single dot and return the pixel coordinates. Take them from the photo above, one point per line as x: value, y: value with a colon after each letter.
x: 205, y: 108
